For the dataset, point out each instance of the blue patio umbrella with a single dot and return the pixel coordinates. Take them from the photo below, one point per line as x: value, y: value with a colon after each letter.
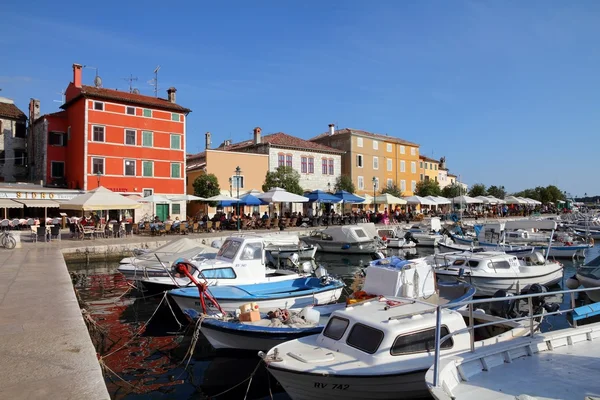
x: 347, y: 197
x: 322, y: 197
x: 246, y: 200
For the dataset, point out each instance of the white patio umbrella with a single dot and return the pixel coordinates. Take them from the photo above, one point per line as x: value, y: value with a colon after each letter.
x: 185, y: 197
x: 466, y: 200
x: 222, y: 197
x: 494, y: 200
x: 420, y: 200
x: 389, y: 199
x: 485, y: 200
x: 156, y: 199
x: 279, y: 195
x: 514, y: 200
x: 100, y: 199
x: 441, y: 200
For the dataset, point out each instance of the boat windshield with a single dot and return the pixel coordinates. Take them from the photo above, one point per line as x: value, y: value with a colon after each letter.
x: 360, y: 233
x: 336, y: 328
x: 365, y: 338
x: 229, y: 249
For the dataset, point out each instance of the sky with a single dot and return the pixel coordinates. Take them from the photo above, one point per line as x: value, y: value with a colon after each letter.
x: 508, y: 91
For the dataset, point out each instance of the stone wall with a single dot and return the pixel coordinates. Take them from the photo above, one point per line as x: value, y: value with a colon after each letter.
x: 9, y: 171
x: 38, y: 137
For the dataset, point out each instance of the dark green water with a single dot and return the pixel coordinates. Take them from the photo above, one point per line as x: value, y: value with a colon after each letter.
x: 149, y: 359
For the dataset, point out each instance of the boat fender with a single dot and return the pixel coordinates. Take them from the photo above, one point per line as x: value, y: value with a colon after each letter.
x: 572, y: 282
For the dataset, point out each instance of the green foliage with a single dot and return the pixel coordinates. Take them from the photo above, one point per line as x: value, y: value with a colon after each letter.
x: 544, y: 194
x: 477, y: 189
x: 284, y: 177
x: 453, y: 190
x: 393, y: 190
x: 428, y: 188
x: 344, y: 182
x: 497, y: 191
x: 207, y: 185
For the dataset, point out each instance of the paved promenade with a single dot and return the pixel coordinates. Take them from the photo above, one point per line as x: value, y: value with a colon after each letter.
x: 45, y: 348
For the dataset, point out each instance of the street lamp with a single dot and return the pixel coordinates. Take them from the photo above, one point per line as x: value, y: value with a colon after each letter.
x: 98, y: 176
x: 238, y: 172
x: 374, y: 194
x: 329, y: 187
x: 230, y: 186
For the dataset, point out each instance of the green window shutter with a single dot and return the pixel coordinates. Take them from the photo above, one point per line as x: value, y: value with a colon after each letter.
x: 147, y: 139
x: 175, y: 170
x: 147, y: 112
x: 147, y: 168
x: 174, y: 117
x: 175, y: 141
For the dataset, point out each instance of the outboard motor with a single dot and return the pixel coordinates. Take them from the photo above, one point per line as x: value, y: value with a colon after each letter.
x: 408, y: 236
x: 540, y: 302
x: 503, y: 309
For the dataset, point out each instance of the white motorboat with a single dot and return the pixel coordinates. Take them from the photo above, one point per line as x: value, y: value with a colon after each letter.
x: 505, y: 248
x: 394, y: 240
x: 378, y: 349
x: 561, y: 364
x: 391, y: 276
x: 350, y: 239
x: 588, y: 276
x: 426, y: 235
x: 492, y: 271
x: 241, y: 260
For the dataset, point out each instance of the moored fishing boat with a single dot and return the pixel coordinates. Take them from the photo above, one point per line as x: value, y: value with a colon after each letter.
x: 350, y: 239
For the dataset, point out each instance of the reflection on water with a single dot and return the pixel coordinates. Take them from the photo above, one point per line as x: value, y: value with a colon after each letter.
x: 150, y: 358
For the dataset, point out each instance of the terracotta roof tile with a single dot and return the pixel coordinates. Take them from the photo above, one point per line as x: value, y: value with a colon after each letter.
x: 11, y: 111
x: 387, y: 138
x: 129, y: 98
x: 281, y: 139
x: 428, y: 159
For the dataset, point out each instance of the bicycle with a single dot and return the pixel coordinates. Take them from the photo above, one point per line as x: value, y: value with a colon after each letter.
x: 7, y: 240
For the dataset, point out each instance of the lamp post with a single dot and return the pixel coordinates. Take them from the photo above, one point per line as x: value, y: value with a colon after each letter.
x: 230, y: 186
x: 238, y: 172
x: 98, y: 176
x: 329, y: 187
x: 374, y: 193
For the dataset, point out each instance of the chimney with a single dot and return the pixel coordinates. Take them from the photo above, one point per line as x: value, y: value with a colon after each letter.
x: 331, y: 129
x: 171, y: 94
x: 227, y: 142
x: 34, y: 110
x: 257, y: 139
x: 77, y: 75
x: 207, y: 136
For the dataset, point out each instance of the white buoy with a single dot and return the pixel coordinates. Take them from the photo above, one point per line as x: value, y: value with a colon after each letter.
x: 572, y: 283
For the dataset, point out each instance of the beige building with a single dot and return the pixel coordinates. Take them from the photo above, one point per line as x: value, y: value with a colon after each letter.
x: 371, y: 156
x: 428, y: 169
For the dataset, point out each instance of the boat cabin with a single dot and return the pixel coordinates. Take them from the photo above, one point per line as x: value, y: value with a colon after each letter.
x: 396, y: 277
x: 483, y: 262
x: 345, y: 234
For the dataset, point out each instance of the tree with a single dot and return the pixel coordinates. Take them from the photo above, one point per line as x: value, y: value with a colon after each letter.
x: 284, y: 177
x: 344, y: 182
x: 393, y: 190
x: 497, y: 191
x: 428, y: 188
x: 207, y: 185
x: 477, y: 189
x: 453, y: 190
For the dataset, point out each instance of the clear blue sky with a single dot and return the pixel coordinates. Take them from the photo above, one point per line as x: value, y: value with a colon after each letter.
x: 508, y: 91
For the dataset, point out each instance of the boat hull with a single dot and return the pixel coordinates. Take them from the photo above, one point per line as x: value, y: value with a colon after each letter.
x: 342, y: 247
x: 191, y: 305
x: 307, y: 253
x: 309, y: 386
x: 488, y: 285
x: 400, y: 244
x: 589, y: 282
x: 555, y: 251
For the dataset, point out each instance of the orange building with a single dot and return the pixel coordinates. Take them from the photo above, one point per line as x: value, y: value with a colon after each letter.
x: 127, y: 142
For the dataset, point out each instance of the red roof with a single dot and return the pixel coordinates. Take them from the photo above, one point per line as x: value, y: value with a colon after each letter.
x: 425, y: 158
x: 11, y: 111
x: 126, y: 97
x: 284, y: 140
x: 348, y: 131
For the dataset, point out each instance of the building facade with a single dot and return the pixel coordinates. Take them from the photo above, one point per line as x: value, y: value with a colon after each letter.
x: 127, y: 142
x: 429, y: 169
x: 319, y: 165
x: 373, y: 160
x: 13, y: 143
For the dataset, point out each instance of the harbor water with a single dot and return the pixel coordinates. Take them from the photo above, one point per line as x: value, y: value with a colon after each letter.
x: 144, y: 343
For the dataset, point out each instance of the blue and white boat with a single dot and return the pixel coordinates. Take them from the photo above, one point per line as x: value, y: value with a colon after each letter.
x: 412, y: 279
x: 286, y: 294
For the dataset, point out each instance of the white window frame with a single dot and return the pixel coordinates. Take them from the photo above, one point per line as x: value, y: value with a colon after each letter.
x: 402, y: 149
x: 413, y: 151
x: 101, y: 103
x: 375, y: 145
x: 103, y: 165
x: 63, y: 141
x: 402, y: 186
x: 360, y: 180
x: 234, y: 180
x: 402, y: 166
x: 151, y: 133
x: 413, y: 167
x: 151, y: 163
x: 171, y: 170
x: 125, y: 167
x: 375, y: 161
x: 359, y: 142
x: 171, y: 141
x: 413, y: 186
x: 390, y: 182
x: 57, y: 162
x: 125, y: 137
x: 389, y: 147
x: 127, y: 108
x: 362, y: 161
x: 151, y: 190
x: 390, y: 164
x: 103, y: 133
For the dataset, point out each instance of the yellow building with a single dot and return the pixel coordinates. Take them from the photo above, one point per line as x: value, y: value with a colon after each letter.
x: 388, y: 159
x: 428, y: 169
x: 222, y: 164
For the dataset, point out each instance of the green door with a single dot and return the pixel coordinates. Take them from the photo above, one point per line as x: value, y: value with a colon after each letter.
x: 162, y: 211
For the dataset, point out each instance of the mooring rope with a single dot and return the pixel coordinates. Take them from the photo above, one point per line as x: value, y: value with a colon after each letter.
x: 242, y: 382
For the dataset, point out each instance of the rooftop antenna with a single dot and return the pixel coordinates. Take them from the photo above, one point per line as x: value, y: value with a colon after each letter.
x: 97, y: 79
x: 154, y: 82
x: 131, y: 79
x: 62, y: 97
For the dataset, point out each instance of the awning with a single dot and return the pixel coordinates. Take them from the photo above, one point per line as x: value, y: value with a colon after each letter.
x: 8, y: 203
x: 38, y: 203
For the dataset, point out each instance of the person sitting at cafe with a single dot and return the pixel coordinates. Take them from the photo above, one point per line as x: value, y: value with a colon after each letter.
x: 156, y: 225
x: 176, y: 224
x: 265, y: 216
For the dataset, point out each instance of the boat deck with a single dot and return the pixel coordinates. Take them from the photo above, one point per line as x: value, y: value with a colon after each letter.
x: 568, y: 372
